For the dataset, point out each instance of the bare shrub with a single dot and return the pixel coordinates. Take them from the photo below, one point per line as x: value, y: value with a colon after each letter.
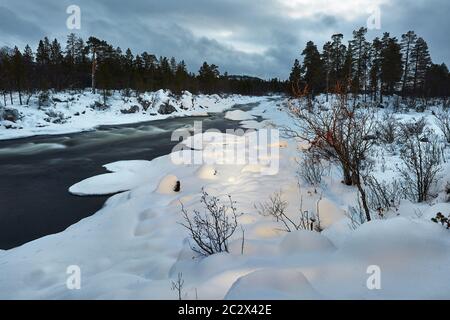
x: 422, y: 160
x: 343, y: 134
x: 382, y: 197
x: 412, y: 128
x: 443, y: 122
x: 178, y: 285
x: 388, y: 129
x: 356, y: 215
x: 311, y: 169
x: 212, y: 230
x: 276, y: 207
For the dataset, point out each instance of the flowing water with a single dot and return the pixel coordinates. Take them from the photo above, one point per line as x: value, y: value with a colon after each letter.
x: 36, y: 172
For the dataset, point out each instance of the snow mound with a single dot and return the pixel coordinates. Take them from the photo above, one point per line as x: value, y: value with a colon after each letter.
x: 207, y: 172
x: 238, y: 115
x: 305, y: 241
x: 273, y: 284
x: 412, y: 255
x: 168, y: 185
x: 105, y: 184
x: 329, y: 213
x: 124, y: 176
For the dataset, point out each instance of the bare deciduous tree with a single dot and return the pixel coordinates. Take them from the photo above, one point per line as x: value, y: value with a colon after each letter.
x: 344, y: 133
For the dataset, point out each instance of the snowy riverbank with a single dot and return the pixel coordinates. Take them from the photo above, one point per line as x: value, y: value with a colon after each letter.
x: 134, y: 247
x: 63, y: 113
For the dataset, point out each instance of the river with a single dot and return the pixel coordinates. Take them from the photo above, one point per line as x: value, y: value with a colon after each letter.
x: 36, y: 172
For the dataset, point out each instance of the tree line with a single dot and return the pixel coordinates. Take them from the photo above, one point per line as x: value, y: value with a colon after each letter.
x: 97, y: 64
x: 384, y: 66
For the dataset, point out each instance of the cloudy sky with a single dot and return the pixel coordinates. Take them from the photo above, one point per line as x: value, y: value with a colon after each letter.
x: 256, y: 37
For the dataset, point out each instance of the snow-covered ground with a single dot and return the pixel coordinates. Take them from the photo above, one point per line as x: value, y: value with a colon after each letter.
x: 134, y: 247
x: 74, y: 112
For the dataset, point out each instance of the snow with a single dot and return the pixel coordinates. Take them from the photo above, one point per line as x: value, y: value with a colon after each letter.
x: 207, y: 172
x: 71, y: 112
x: 268, y: 284
x: 238, y: 115
x: 125, y: 175
x: 167, y: 184
x: 134, y: 247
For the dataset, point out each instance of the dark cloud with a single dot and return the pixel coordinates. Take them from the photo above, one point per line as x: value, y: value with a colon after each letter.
x: 241, y: 36
x: 13, y: 26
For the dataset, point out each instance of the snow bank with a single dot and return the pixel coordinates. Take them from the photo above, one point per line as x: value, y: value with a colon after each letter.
x: 270, y: 284
x: 134, y: 247
x: 238, y: 115
x: 168, y: 185
x: 75, y: 112
x: 125, y: 175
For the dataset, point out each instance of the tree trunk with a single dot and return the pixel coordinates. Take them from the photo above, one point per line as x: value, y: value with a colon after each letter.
x: 20, y: 96
x: 362, y: 192
x: 94, y: 67
x: 348, y: 180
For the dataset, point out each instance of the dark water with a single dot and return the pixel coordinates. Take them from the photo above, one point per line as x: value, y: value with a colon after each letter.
x: 36, y: 172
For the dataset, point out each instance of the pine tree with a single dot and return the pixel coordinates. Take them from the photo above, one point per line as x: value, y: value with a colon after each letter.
x: 338, y: 52
x: 208, y: 76
x: 327, y: 65
x: 28, y: 64
x: 18, y: 70
x: 97, y: 48
x: 360, y: 49
x: 375, y: 68
x: 421, y: 61
x: 348, y: 70
x: 437, y: 81
x: 407, y: 44
x: 391, y: 66
x: 181, y: 76
x: 312, y: 68
x: 296, y: 75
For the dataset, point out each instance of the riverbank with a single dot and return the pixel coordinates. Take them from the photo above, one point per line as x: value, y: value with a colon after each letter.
x: 36, y: 172
x: 70, y: 112
x: 134, y: 247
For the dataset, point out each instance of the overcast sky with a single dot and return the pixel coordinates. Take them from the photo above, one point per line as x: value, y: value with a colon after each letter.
x: 256, y: 37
